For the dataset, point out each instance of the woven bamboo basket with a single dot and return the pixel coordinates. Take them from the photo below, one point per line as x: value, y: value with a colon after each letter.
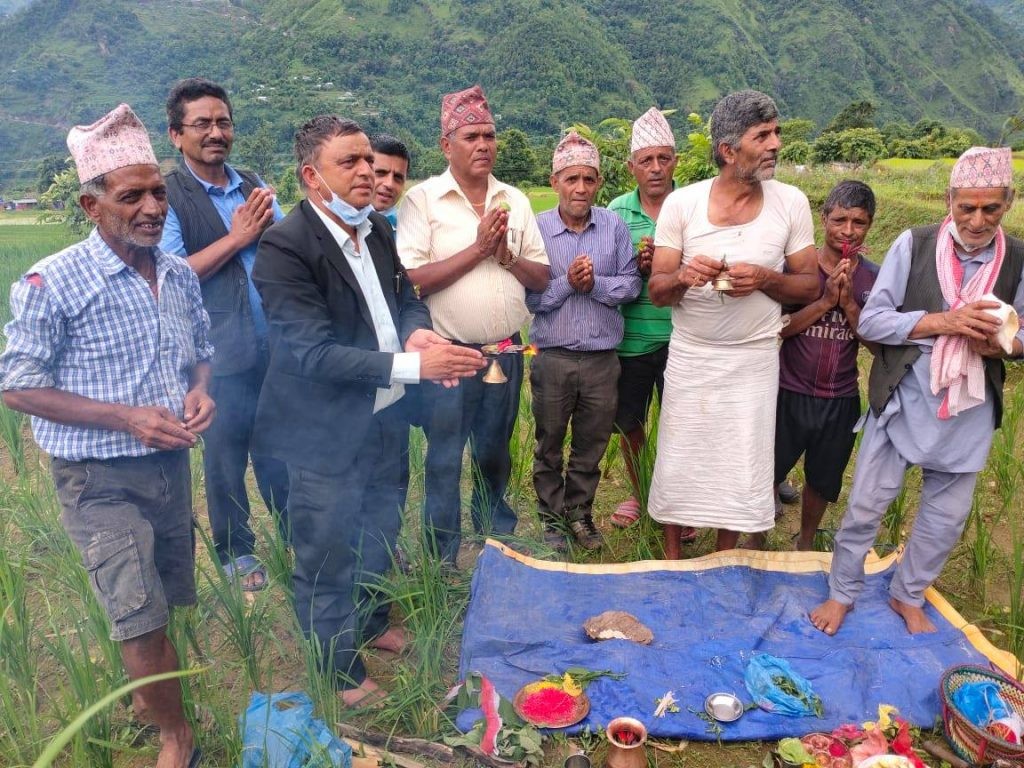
x: 976, y: 745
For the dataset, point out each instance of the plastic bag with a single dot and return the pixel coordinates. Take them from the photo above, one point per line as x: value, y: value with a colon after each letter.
x: 763, y: 676
x: 980, y: 702
x: 279, y: 731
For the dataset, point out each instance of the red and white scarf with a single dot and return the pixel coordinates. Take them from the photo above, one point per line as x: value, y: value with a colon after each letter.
x: 955, y: 366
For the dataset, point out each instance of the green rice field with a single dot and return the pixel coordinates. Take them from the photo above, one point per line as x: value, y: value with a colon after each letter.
x: 56, y: 658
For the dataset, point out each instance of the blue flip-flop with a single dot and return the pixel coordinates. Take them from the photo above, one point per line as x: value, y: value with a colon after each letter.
x: 244, y: 566
x: 197, y: 758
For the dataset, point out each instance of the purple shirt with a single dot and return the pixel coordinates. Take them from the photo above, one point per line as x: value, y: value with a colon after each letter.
x: 822, y: 360
x: 584, y: 322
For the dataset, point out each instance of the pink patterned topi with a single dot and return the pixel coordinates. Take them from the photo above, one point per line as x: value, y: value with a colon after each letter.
x: 116, y: 140
x: 573, y: 149
x: 468, y: 107
x: 982, y: 168
x: 651, y: 129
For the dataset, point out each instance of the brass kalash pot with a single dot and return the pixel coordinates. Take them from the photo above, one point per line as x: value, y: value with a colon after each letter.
x: 626, y: 743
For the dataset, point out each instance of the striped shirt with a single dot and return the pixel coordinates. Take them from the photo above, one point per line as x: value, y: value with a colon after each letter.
x: 647, y: 327
x: 90, y: 325
x: 584, y: 322
x: 436, y: 221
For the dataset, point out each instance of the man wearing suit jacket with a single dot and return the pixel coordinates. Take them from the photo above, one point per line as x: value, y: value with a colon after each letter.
x: 347, y: 334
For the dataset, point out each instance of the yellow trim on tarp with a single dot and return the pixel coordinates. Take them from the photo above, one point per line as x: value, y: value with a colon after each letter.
x: 780, y: 562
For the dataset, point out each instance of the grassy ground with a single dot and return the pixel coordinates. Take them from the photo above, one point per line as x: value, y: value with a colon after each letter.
x: 55, y: 658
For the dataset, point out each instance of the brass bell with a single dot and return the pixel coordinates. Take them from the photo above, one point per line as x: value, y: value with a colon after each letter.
x: 495, y: 375
x: 722, y: 282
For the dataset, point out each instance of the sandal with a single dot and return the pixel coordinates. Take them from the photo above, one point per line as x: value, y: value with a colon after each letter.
x: 626, y: 514
x: 247, y: 565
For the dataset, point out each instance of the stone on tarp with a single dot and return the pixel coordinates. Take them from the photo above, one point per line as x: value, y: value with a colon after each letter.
x: 617, y: 625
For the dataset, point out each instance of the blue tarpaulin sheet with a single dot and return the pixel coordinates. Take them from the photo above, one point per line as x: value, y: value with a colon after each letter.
x: 709, y: 615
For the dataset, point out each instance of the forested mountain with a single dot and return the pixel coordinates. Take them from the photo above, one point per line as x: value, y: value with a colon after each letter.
x: 1009, y: 11
x: 544, y: 63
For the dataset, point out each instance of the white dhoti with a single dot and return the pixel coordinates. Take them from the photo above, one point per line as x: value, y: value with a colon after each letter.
x: 716, y: 435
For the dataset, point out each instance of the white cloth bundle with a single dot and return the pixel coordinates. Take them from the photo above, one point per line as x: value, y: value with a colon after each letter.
x: 1007, y: 315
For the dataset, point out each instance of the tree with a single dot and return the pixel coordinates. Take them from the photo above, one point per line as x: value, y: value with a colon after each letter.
x: 287, y: 188
x: 796, y: 152
x: 861, y: 145
x: 695, y: 163
x: 854, y: 145
x: 796, y: 129
x: 258, y: 150
x: 1013, y: 124
x: 856, y: 114
x: 516, y: 161
x: 65, y: 189
x: 826, y: 148
x: 49, y: 167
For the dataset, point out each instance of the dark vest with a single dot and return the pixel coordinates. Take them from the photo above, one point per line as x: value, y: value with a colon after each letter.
x: 225, y: 293
x: 892, y: 363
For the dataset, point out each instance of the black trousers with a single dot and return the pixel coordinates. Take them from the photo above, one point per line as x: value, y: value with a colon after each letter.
x: 483, y: 415
x: 344, y: 527
x: 225, y: 459
x: 581, y: 388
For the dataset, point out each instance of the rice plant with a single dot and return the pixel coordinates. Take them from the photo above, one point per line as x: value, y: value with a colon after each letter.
x: 893, y: 520
x: 244, y: 623
x: 520, y: 484
x: 87, y: 681
x: 71, y: 730
x: 431, y: 597
x: 982, y: 548
x: 1015, y: 577
x: 21, y: 730
x: 11, y: 426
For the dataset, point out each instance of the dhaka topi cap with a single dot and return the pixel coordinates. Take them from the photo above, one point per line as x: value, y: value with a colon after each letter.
x: 572, y: 150
x: 116, y: 140
x: 468, y: 107
x: 651, y: 129
x: 983, y: 167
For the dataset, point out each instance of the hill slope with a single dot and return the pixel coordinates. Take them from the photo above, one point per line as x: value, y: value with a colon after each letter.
x: 544, y: 63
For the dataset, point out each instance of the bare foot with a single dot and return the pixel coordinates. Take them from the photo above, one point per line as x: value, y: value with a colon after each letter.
x: 805, y: 544
x: 917, y: 622
x: 828, y: 616
x: 366, y: 694
x: 175, y: 748
x: 393, y: 640
x: 756, y: 541
x: 255, y: 581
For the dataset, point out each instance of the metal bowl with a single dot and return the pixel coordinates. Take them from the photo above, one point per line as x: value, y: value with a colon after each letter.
x: 724, y: 707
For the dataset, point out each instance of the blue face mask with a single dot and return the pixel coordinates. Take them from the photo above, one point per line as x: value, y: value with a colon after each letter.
x: 349, y: 214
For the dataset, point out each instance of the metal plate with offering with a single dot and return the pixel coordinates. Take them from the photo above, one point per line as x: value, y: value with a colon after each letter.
x: 547, y: 704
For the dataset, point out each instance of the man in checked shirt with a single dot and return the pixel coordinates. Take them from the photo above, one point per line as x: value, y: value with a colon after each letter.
x: 108, y: 352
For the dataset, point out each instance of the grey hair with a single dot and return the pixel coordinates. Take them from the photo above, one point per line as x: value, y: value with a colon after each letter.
x: 314, y: 134
x: 735, y: 114
x: 94, y: 187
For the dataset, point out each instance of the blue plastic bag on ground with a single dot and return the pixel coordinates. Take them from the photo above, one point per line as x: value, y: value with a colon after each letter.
x: 279, y: 731
x: 762, y: 677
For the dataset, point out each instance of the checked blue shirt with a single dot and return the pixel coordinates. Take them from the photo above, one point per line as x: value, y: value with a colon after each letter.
x: 90, y: 325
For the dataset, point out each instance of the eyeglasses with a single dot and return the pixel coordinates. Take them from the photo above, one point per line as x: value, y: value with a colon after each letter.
x: 205, y: 126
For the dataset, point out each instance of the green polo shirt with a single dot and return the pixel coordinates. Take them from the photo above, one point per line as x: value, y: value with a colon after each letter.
x: 647, y: 327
